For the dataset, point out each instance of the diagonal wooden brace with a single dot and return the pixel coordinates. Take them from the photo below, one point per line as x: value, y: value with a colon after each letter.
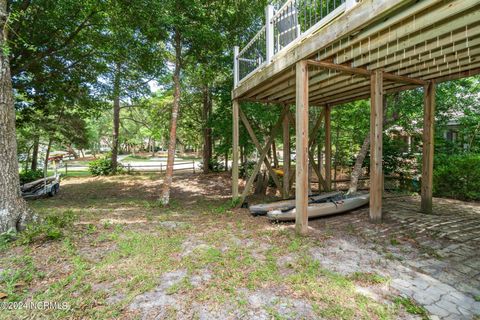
x: 317, y: 171
x: 250, y: 131
x: 313, y: 139
x: 263, y: 154
x: 313, y: 134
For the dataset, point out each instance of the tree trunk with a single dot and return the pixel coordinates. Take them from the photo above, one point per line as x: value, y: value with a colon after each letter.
x: 274, y: 151
x: 226, y: 160
x: 27, y: 160
x: 14, y: 212
x: 47, y: 155
x: 335, y: 166
x: 357, y: 169
x: 36, y: 143
x: 165, y: 199
x: 320, y: 162
x: 207, y: 131
x: 72, y: 152
x: 116, y: 118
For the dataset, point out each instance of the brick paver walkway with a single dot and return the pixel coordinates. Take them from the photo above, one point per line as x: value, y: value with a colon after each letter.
x: 437, y: 256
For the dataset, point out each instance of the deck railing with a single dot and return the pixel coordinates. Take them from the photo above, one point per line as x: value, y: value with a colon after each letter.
x: 253, y: 55
x: 285, y: 22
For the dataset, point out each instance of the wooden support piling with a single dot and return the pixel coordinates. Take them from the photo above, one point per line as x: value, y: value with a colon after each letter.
x: 301, y: 168
x: 235, y: 107
x: 428, y: 144
x: 328, y: 148
x: 286, y: 158
x: 376, y: 145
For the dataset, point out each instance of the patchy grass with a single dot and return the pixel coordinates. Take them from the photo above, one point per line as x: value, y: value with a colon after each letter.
x: 368, y: 278
x: 105, y: 241
x: 411, y: 307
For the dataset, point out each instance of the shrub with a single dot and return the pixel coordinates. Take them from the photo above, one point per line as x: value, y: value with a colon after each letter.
x: 50, y: 228
x: 214, y: 165
x: 30, y: 175
x: 457, y: 176
x: 103, y: 166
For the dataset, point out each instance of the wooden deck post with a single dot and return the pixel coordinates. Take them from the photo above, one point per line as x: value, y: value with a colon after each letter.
x: 235, y: 107
x: 286, y: 158
x: 320, y: 162
x: 428, y: 139
x: 376, y: 145
x: 301, y: 168
x: 328, y: 147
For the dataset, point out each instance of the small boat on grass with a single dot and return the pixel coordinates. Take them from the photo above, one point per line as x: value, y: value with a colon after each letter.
x: 41, y: 187
x: 329, y: 206
x: 264, y: 208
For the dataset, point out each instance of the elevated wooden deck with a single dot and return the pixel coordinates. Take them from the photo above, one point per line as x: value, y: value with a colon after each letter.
x: 358, y: 50
x: 427, y: 40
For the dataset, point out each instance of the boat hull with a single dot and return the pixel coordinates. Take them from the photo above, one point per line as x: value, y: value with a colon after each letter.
x: 322, y: 209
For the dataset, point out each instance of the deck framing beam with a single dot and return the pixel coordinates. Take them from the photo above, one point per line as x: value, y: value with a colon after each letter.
x: 365, y: 72
x: 301, y: 168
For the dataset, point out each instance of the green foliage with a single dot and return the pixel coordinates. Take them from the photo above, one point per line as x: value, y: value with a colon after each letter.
x: 50, y: 227
x: 103, y: 166
x: 246, y: 169
x: 27, y: 176
x: 457, y: 176
x: 7, y: 237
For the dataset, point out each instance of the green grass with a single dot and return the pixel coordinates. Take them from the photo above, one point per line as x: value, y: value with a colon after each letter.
x: 368, y: 278
x: 100, y: 233
x: 136, y: 158
x: 411, y: 307
x: 70, y: 173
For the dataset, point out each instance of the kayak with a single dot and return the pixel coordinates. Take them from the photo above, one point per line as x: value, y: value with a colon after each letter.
x: 264, y: 208
x: 334, y: 205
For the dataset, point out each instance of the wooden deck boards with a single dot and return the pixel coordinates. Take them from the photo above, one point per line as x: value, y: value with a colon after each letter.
x: 428, y: 40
